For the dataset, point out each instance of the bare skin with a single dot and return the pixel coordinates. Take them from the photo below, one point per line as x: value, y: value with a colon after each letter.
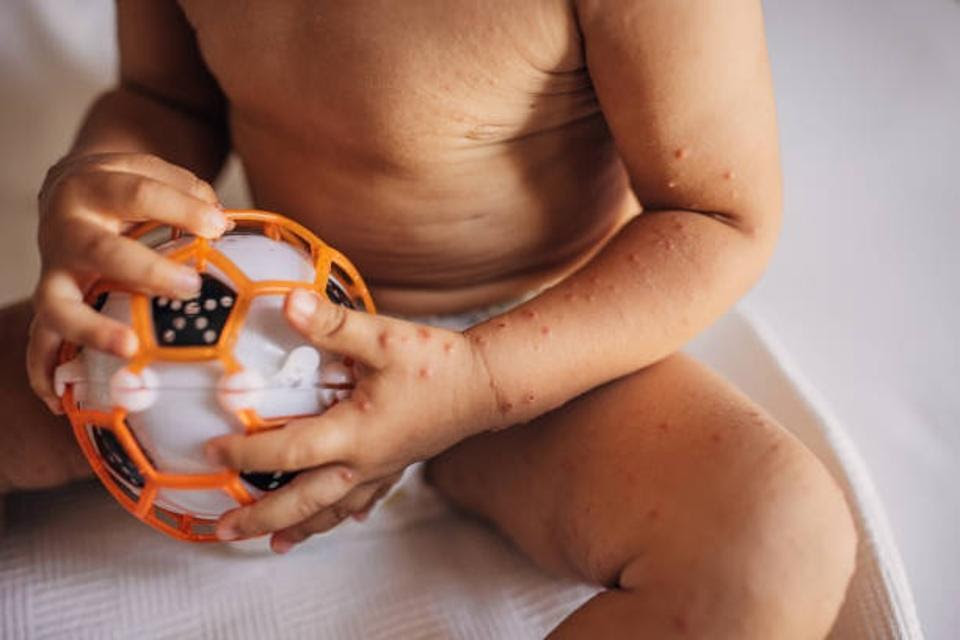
x: 464, y: 154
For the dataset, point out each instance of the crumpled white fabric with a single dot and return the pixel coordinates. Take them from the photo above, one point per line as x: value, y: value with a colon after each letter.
x: 73, y: 564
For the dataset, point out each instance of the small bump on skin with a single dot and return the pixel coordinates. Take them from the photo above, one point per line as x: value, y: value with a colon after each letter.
x: 502, y: 324
x: 506, y: 407
x: 680, y: 624
x: 544, y: 330
x: 527, y: 399
x: 634, y: 258
x: 479, y: 340
x: 425, y: 373
x: 529, y: 314
x: 345, y: 474
x: 681, y: 153
x: 728, y: 175
x: 664, y: 426
x: 385, y: 340
x: 671, y: 185
x: 594, y: 280
x: 716, y: 438
x: 364, y: 405
x: 424, y: 333
x: 447, y: 347
x: 653, y: 514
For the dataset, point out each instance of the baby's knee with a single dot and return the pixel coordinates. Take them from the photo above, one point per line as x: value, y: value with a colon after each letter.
x: 771, y: 560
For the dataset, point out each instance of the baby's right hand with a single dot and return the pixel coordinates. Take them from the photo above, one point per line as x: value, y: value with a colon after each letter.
x: 86, y: 204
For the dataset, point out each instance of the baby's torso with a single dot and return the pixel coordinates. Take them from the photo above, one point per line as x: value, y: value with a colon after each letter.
x: 453, y: 149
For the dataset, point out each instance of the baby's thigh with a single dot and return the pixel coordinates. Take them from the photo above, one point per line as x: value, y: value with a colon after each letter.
x: 669, y: 474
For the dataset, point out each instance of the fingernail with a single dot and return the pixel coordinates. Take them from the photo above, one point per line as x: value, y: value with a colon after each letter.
x: 125, y: 343
x: 227, y: 533
x: 187, y: 282
x: 214, y: 455
x: 215, y: 223
x: 302, y: 304
x: 281, y: 545
x: 361, y: 516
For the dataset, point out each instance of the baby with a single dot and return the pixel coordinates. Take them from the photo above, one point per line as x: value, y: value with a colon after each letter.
x: 600, y: 177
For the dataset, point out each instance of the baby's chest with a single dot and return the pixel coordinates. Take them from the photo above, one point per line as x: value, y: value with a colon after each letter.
x: 395, y: 72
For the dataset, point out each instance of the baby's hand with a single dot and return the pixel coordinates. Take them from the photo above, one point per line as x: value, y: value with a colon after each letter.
x: 419, y: 390
x: 85, y: 206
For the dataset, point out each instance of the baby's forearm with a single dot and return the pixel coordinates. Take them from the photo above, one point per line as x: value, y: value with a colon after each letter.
x: 665, y: 276
x: 132, y: 120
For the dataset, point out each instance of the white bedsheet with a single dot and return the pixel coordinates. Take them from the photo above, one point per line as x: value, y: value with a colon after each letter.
x: 863, y: 293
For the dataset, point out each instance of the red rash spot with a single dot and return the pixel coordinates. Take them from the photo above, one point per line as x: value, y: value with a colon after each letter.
x: 681, y: 153
x: 385, y: 340
x: 570, y: 297
x: 653, y: 514
x: 502, y: 324
x: 634, y: 257
x: 424, y: 333
x: 528, y: 398
x: 480, y: 340
x: 345, y: 474
x: 728, y: 175
x: 716, y: 438
x: 664, y: 427
x: 671, y: 185
x: 447, y: 347
x: 529, y: 314
x: 364, y: 405
x: 506, y: 407
x: 545, y: 330
x: 680, y: 623
x: 425, y: 372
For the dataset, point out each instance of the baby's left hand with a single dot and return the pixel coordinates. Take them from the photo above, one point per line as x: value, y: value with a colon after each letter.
x: 419, y: 391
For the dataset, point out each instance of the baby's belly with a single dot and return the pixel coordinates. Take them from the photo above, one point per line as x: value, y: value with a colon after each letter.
x: 456, y: 229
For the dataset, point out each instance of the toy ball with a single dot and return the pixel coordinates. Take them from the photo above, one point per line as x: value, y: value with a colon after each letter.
x: 224, y: 362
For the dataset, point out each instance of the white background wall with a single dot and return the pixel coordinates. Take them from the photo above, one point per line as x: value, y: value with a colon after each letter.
x: 865, y: 288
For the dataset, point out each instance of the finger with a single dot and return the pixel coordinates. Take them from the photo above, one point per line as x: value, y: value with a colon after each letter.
x: 60, y: 309
x: 300, y: 444
x: 155, y: 167
x: 130, y: 263
x: 336, y: 328
x: 358, y: 500
x: 308, y: 494
x: 133, y: 197
x: 41, y: 359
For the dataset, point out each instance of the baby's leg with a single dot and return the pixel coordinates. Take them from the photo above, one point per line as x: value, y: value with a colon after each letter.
x: 702, y: 516
x: 37, y: 449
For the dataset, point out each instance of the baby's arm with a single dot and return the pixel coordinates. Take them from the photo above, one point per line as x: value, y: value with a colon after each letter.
x: 127, y: 164
x: 685, y: 88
